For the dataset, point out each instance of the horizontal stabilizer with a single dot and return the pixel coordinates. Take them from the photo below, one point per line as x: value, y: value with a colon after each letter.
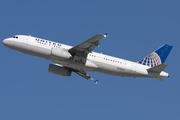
x: 158, y: 68
x: 159, y: 79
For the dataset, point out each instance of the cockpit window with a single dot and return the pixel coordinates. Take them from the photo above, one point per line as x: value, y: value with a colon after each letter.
x: 15, y: 37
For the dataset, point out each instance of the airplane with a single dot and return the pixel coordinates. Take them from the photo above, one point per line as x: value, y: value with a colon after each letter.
x: 81, y: 58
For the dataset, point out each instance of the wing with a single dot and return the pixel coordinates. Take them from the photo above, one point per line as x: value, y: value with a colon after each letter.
x: 80, y: 51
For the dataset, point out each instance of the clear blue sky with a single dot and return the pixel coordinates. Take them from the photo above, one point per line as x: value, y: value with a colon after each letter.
x: 135, y: 28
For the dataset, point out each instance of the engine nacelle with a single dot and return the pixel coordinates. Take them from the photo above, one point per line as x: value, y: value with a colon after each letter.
x: 60, y: 53
x: 58, y: 70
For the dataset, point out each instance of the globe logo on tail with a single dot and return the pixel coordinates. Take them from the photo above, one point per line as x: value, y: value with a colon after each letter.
x: 151, y: 60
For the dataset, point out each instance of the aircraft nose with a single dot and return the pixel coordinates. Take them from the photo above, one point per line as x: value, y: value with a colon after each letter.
x: 5, y: 42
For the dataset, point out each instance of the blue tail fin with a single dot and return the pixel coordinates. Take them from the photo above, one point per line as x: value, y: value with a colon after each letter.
x: 157, y: 57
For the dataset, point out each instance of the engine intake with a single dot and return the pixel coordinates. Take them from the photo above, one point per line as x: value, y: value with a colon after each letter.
x: 60, y: 53
x: 58, y: 70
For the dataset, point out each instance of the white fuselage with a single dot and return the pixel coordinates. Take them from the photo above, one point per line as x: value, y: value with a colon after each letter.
x: 94, y: 62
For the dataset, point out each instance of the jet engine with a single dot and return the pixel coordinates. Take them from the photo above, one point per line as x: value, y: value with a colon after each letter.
x: 60, y: 53
x: 58, y: 70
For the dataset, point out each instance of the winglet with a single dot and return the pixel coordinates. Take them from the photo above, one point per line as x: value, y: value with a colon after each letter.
x: 96, y: 81
x: 105, y: 34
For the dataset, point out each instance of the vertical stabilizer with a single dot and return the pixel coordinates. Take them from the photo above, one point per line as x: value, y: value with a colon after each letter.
x: 157, y: 57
